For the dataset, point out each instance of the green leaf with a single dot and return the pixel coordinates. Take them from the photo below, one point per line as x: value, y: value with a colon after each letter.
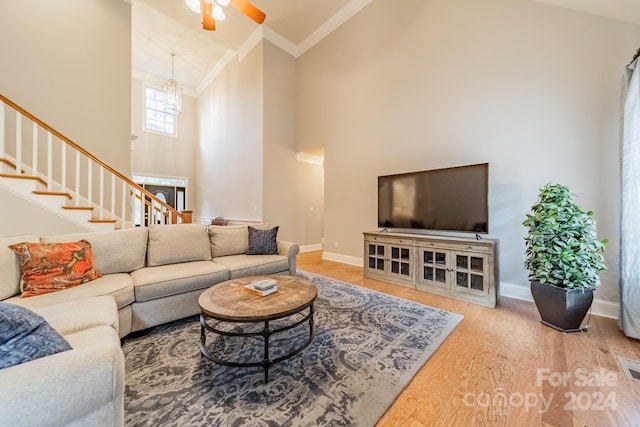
x: 561, y: 245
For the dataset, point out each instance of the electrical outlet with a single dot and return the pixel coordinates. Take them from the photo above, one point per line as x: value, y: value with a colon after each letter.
x: 336, y: 245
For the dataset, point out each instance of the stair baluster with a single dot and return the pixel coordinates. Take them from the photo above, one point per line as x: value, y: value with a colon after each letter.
x: 58, y: 181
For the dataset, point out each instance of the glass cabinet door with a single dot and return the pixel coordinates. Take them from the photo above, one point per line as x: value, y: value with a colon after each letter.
x: 471, y: 272
x: 434, y: 266
x: 400, y: 261
x: 375, y: 257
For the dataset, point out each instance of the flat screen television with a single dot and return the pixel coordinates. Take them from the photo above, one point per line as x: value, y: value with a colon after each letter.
x: 452, y: 199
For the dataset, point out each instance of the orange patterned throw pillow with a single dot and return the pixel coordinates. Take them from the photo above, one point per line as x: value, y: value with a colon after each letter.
x: 50, y: 267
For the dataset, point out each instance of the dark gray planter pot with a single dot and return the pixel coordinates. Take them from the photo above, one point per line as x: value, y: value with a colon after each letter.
x: 560, y: 308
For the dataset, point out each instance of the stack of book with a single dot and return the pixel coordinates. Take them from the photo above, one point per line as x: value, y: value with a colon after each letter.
x: 261, y: 287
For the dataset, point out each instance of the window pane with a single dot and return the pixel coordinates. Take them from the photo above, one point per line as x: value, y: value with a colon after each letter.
x: 155, y: 117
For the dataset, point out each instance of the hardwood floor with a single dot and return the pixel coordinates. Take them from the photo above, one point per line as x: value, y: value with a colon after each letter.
x: 502, y: 367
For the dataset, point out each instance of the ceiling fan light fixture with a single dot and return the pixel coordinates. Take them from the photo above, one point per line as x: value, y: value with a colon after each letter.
x: 193, y: 5
x: 211, y: 11
x: 217, y: 13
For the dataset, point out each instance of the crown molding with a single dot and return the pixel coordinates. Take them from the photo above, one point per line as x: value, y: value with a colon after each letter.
x: 217, y: 69
x: 264, y: 32
x: 344, y: 14
x: 255, y: 38
x: 280, y: 41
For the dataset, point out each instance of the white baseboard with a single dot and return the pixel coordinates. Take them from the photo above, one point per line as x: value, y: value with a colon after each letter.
x: 201, y: 220
x: 311, y: 248
x: 599, y: 307
x: 511, y: 290
x: 345, y: 259
x: 606, y: 308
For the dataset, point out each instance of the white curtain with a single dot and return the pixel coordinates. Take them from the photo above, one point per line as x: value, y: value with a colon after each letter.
x: 629, y: 320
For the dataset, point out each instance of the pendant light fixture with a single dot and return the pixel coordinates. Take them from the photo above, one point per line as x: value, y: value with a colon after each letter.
x: 173, y: 94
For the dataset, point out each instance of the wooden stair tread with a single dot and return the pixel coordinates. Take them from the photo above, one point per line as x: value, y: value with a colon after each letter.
x: 52, y: 193
x: 78, y: 208
x: 9, y: 163
x: 14, y: 176
x: 103, y: 221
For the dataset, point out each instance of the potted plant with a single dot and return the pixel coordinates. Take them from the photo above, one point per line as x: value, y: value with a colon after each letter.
x: 563, y: 256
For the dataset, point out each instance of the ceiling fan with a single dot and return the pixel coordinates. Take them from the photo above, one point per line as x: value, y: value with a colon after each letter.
x: 211, y: 11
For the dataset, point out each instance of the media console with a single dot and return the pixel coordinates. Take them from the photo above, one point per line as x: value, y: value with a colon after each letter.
x: 456, y: 267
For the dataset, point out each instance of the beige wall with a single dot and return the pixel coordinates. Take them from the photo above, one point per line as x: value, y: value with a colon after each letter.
x: 292, y: 195
x: 246, y: 158
x: 155, y: 154
x: 229, y: 155
x: 530, y: 88
x: 309, y: 204
x: 70, y: 64
x: 279, y: 161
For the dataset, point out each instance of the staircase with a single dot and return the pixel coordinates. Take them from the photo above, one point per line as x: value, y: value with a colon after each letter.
x: 44, y: 167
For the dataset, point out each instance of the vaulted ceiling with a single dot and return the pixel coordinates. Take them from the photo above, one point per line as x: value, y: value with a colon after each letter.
x: 163, y: 26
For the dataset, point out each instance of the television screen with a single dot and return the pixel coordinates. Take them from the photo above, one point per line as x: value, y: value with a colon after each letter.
x: 452, y: 199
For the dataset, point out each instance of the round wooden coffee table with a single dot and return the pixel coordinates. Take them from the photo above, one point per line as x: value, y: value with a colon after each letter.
x: 229, y: 302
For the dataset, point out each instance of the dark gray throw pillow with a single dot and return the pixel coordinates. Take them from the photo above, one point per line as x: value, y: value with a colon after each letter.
x: 263, y: 242
x: 25, y: 336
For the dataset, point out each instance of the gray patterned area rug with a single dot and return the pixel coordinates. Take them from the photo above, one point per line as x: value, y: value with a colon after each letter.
x: 367, y: 347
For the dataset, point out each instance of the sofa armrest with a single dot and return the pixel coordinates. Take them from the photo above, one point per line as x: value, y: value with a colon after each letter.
x: 290, y: 250
x: 68, y: 386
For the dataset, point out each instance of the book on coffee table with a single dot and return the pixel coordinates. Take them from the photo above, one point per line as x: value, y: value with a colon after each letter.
x: 252, y: 289
x: 264, y: 284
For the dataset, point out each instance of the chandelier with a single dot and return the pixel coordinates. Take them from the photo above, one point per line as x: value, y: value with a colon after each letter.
x: 172, y: 93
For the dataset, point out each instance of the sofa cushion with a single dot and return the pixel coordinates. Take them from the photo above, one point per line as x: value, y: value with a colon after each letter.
x: 10, y: 264
x: 175, y: 243
x: 161, y: 281
x: 251, y: 265
x: 263, y: 242
x: 120, y: 251
x: 119, y: 286
x: 231, y: 239
x: 51, y: 267
x: 75, y: 316
x: 25, y: 336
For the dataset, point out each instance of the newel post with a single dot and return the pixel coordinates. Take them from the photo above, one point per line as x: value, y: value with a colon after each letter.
x: 187, y: 217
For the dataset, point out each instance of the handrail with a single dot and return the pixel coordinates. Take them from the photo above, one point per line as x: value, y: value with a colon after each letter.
x: 77, y: 147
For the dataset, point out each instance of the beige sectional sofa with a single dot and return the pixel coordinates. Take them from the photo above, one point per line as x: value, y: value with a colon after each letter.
x: 150, y: 276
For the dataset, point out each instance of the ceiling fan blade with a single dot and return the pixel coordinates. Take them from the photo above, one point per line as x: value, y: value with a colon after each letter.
x: 208, y: 23
x: 250, y: 10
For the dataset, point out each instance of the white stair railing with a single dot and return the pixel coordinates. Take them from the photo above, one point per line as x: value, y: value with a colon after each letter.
x: 50, y: 152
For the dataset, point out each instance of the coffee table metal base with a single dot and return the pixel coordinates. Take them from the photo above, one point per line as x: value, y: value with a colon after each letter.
x: 266, y: 333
